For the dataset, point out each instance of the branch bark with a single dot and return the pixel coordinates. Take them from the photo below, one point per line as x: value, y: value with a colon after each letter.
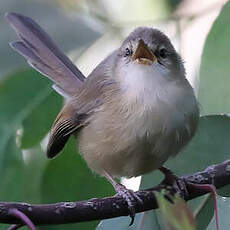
x: 109, y: 207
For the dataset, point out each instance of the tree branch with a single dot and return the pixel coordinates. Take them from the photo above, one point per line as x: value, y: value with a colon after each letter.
x: 109, y: 207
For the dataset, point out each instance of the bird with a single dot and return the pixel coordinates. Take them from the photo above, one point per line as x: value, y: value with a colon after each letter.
x: 134, y: 110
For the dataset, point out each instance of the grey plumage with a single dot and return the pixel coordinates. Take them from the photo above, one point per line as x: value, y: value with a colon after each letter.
x: 133, y: 111
x: 42, y: 54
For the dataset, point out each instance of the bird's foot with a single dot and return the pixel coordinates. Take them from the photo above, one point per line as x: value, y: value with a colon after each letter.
x: 173, y: 180
x: 130, y: 197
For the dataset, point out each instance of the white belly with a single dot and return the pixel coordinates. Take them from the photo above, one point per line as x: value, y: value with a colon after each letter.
x: 140, y: 125
x: 130, y: 142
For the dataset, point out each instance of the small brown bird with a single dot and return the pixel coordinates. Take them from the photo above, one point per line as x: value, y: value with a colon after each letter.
x: 134, y: 111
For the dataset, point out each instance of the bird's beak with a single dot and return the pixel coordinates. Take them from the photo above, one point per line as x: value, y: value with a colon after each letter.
x: 143, y: 54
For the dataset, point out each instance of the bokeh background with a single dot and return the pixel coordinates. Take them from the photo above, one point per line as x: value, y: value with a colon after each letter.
x: 88, y: 30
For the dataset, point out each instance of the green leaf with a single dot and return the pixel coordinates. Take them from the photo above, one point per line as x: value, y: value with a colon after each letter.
x: 204, y: 212
x: 177, y: 215
x: 18, y: 98
x: 20, y: 170
x: 214, y: 72
x: 224, y: 214
x: 21, y: 175
x: 144, y: 221
x: 40, y: 120
x: 12, y: 173
x: 20, y: 94
x: 35, y: 161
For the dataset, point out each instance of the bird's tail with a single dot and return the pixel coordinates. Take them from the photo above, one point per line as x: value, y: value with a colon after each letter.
x: 44, y: 55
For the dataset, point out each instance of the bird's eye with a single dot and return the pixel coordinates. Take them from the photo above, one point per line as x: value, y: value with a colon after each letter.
x: 128, y: 52
x: 163, y: 53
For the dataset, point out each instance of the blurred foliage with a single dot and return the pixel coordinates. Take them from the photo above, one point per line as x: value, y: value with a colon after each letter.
x: 204, y: 211
x: 215, y: 68
x: 173, y: 4
x: 29, y: 106
x: 224, y: 212
x: 144, y: 221
x: 138, y: 10
x: 176, y: 212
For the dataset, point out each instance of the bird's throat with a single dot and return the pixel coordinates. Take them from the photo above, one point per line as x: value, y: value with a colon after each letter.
x: 142, y: 83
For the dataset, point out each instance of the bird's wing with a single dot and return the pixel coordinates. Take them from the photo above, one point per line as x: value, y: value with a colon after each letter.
x: 78, y: 111
x: 70, y: 120
x: 43, y: 54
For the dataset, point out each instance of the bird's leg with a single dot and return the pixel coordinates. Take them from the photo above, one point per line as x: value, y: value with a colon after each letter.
x: 173, y: 180
x: 128, y: 195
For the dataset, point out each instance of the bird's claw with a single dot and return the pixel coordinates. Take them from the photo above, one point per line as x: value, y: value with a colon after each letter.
x: 177, y: 183
x: 131, y: 199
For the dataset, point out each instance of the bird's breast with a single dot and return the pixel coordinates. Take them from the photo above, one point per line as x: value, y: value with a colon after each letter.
x: 134, y: 132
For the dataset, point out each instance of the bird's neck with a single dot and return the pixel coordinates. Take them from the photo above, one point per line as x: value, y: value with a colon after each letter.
x: 143, y: 85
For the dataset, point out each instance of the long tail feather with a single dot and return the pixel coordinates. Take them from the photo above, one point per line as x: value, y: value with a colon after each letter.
x: 43, y: 55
